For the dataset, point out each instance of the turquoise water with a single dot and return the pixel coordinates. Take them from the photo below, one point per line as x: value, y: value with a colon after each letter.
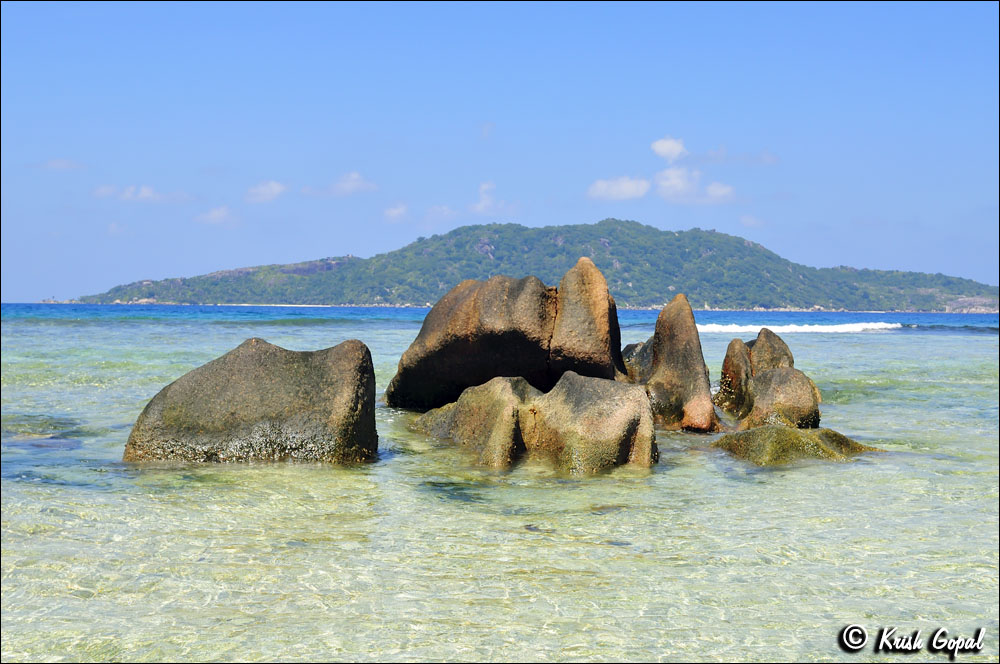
x: 423, y: 556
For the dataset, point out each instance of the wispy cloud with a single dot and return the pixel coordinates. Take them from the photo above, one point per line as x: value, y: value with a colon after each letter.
x: 719, y: 192
x: 61, y: 165
x: 487, y: 203
x: 114, y: 228
x: 352, y: 183
x: 142, y: 192
x: 265, y: 191
x: 618, y: 189
x: 750, y: 221
x: 669, y: 148
x: 217, y: 216
x: 396, y: 212
x: 348, y: 184
x: 436, y: 212
x: 722, y: 156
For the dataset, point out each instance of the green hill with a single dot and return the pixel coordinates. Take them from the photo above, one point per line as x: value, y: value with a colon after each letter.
x: 644, y: 267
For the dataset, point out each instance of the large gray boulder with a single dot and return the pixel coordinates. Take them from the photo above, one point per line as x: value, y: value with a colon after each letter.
x: 775, y: 444
x: 510, y: 327
x: 583, y: 425
x: 262, y: 402
x: 672, y: 366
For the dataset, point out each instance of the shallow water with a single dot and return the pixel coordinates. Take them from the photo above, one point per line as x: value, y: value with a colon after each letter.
x: 423, y: 556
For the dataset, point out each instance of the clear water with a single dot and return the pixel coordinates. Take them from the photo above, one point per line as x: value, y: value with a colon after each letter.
x: 422, y: 556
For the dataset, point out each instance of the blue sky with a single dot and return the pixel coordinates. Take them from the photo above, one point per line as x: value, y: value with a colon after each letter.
x: 160, y: 140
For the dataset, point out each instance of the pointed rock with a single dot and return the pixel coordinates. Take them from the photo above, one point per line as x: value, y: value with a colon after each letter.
x: 586, y: 337
x: 769, y: 351
x: 735, y: 379
x: 678, y: 385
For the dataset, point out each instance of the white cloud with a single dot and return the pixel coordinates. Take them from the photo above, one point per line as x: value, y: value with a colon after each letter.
x: 618, y: 189
x: 676, y: 183
x: 750, y: 221
x: 719, y: 192
x: 669, y: 148
x: 142, y: 192
x: 396, y: 212
x: 265, y: 191
x: 105, y: 191
x: 218, y: 215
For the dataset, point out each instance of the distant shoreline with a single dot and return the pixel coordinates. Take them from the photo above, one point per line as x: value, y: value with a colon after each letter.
x: 416, y: 306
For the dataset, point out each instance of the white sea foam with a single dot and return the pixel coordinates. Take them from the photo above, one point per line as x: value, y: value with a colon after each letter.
x: 790, y: 329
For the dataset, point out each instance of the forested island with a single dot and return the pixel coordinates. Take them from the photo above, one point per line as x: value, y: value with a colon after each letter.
x: 644, y: 266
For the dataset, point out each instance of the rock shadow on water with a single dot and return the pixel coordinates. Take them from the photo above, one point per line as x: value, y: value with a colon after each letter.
x: 454, y: 490
x: 740, y: 470
x: 42, y: 431
x: 100, y: 479
x: 47, y: 443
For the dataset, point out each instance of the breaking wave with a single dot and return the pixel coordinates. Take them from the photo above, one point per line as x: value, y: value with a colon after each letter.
x: 851, y: 328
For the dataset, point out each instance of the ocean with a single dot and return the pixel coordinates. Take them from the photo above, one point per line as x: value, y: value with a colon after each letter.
x: 423, y: 556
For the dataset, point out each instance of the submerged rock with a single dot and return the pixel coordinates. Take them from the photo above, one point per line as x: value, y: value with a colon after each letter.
x: 262, y: 402
x: 510, y: 327
x: 677, y: 377
x: 774, y: 444
x: 583, y: 425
